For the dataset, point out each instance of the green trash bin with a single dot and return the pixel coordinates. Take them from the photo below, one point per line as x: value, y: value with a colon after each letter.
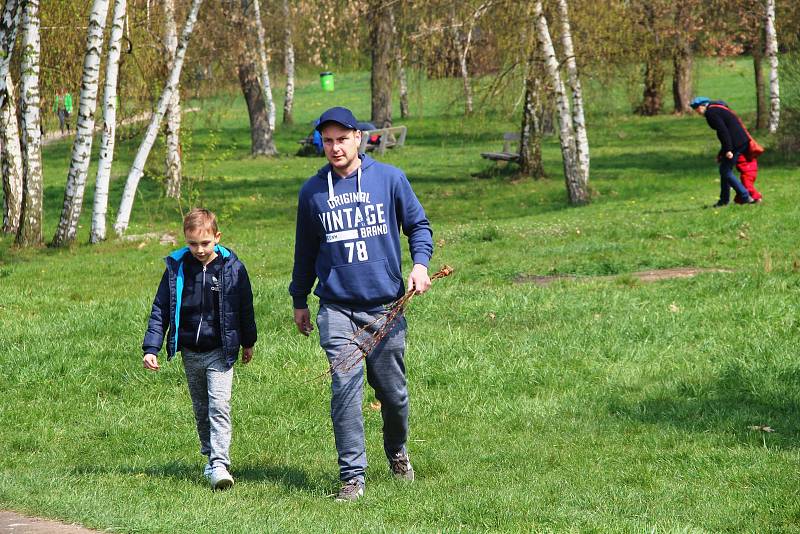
x: 326, y: 81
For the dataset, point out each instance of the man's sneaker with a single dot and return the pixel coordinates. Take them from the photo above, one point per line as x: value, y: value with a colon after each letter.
x: 351, y: 490
x: 719, y: 204
x: 401, y: 466
x: 220, y: 479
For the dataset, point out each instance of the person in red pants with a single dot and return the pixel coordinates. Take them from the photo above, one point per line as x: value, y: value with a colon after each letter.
x: 748, y: 172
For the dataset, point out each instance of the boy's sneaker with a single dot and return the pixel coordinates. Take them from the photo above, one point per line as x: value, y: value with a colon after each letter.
x: 220, y: 479
x: 401, y: 467
x: 351, y: 490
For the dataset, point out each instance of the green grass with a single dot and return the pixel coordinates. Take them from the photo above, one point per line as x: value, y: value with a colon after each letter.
x: 592, y: 405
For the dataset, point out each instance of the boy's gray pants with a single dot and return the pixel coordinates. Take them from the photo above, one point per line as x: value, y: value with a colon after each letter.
x: 385, y: 373
x: 210, y: 380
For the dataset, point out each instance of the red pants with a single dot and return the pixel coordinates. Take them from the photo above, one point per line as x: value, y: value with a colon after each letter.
x: 748, y: 171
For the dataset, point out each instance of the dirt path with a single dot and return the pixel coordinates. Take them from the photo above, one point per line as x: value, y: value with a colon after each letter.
x: 642, y: 276
x: 20, y: 524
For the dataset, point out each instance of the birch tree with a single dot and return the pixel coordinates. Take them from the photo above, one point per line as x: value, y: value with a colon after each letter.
x: 577, y: 186
x: 464, y: 42
x: 578, y: 119
x: 172, y: 127
x: 288, y: 60
x: 84, y: 132
x: 109, y: 124
x: 530, y: 138
x: 11, y: 158
x: 8, y: 36
x: 137, y: 169
x: 30, y: 228
x: 264, y: 66
x: 772, y: 57
x: 401, y: 70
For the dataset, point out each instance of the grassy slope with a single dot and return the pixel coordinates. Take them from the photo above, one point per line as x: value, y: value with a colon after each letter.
x: 595, y: 405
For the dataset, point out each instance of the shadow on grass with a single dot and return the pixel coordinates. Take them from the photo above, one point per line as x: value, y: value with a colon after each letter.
x: 289, y: 477
x: 738, y: 402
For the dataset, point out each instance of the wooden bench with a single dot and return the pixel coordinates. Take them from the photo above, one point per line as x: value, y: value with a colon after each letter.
x: 392, y: 137
x: 506, y: 154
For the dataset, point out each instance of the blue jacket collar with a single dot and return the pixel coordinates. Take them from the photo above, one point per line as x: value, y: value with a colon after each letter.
x: 219, y: 249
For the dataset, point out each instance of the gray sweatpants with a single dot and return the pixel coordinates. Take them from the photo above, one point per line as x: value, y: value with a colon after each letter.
x: 210, y: 380
x: 385, y: 373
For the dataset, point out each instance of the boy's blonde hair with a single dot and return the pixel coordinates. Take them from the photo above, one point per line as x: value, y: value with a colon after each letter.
x: 200, y: 218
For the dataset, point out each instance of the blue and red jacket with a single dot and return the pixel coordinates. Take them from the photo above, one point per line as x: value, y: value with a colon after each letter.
x: 237, y: 318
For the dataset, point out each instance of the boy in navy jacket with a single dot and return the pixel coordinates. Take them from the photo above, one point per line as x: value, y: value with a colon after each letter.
x: 349, y: 218
x: 204, y: 308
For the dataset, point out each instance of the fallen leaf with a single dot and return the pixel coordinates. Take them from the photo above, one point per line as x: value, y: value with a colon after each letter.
x: 141, y: 245
x: 492, y: 315
x: 375, y: 406
x: 762, y: 428
x: 674, y: 308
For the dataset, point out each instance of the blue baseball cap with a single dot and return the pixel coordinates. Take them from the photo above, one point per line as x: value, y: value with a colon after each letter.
x: 338, y: 115
x: 699, y: 101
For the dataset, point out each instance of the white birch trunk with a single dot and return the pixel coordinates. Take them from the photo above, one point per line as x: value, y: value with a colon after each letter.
x: 8, y: 35
x: 84, y: 131
x: 288, y: 102
x: 109, y: 124
x: 264, y: 66
x: 576, y: 188
x: 578, y: 119
x: 401, y: 70
x: 173, y: 119
x: 772, y: 56
x: 30, y: 228
x: 137, y: 169
x: 11, y: 157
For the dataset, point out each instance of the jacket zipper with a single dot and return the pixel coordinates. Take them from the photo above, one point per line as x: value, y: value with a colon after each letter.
x: 202, y: 306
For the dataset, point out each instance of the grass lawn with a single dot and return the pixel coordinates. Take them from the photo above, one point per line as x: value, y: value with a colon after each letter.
x: 598, y: 404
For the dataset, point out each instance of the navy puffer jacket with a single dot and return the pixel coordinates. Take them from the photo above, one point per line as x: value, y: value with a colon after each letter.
x: 237, y: 321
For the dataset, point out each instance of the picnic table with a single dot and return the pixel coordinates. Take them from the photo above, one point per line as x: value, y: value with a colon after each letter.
x: 391, y: 137
x: 506, y: 154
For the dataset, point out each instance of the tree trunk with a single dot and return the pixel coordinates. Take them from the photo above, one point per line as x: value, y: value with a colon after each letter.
x: 84, y: 130
x: 401, y: 71
x: 761, y: 99
x: 8, y: 36
x: 109, y: 124
x: 30, y: 228
x: 772, y: 56
x: 682, y: 80
x: 261, y: 142
x: 577, y: 190
x: 530, y: 138
x: 137, y: 169
x: 682, y: 61
x: 172, y: 129
x: 264, y: 67
x: 578, y: 119
x: 381, y: 45
x: 288, y: 64
x: 653, y: 81
x: 11, y: 158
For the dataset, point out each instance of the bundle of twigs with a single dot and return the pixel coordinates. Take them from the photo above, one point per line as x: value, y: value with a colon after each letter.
x: 368, y: 337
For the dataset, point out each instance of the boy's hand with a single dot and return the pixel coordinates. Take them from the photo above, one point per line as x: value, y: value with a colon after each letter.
x: 302, y: 318
x: 419, y: 279
x: 247, y: 354
x: 151, y: 362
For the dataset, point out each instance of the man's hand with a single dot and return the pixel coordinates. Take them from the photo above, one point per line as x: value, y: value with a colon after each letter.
x: 729, y: 154
x: 419, y: 279
x: 247, y: 354
x: 302, y: 318
x: 150, y: 362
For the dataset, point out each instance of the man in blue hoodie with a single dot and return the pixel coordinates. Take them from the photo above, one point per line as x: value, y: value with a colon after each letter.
x: 349, y: 217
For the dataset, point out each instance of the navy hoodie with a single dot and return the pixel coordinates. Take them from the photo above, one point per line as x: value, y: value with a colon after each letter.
x: 348, y: 236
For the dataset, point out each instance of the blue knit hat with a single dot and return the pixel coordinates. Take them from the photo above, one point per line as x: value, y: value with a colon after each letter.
x: 699, y: 101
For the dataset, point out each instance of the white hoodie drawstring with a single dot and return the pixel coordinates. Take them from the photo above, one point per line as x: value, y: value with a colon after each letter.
x: 330, y: 184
